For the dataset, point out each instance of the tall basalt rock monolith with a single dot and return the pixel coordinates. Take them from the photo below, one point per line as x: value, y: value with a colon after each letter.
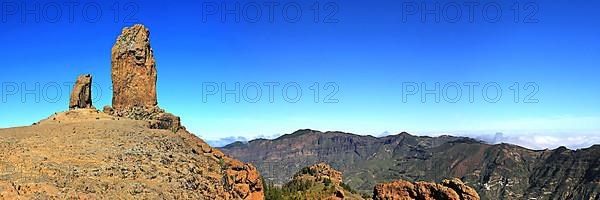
x: 133, y: 70
x: 81, y: 96
x: 134, y: 75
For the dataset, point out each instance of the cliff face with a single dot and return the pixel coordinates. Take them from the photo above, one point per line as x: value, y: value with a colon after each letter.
x: 494, y: 171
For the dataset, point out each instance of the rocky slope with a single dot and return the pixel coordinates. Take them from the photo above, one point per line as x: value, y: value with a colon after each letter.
x: 87, y: 154
x: 496, y: 171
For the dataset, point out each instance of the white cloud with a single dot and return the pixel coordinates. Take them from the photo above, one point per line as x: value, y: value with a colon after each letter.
x: 555, y: 123
x: 543, y: 141
x: 221, y: 142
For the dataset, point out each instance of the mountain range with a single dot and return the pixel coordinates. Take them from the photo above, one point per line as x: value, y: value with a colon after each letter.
x: 501, y: 171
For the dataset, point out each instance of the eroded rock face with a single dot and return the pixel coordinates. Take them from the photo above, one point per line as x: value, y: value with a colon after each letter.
x: 244, y: 179
x: 133, y: 70
x: 81, y: 96
x: 449, y: 189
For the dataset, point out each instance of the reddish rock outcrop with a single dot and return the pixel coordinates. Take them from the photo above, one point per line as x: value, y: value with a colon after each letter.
x: 133, y: 70
x: 465, y: 192
x: 400, y: 190
x: 241, y: 178
x: 81, y: 96
x: 245, y: 180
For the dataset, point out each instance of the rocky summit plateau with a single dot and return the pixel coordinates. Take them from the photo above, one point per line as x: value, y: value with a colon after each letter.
x: 130, y: 150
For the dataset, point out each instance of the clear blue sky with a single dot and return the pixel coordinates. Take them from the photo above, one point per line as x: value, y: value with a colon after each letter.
x: 366, y: 48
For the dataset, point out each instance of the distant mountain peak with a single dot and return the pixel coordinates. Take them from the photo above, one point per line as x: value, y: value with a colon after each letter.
x: 298, y: 133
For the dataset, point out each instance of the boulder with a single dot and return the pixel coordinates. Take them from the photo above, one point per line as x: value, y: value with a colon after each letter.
x: 81, y: 96
x: 133, y: 70
x: 108, y: 110
x: 465, y: 192
x: 166, y: 121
